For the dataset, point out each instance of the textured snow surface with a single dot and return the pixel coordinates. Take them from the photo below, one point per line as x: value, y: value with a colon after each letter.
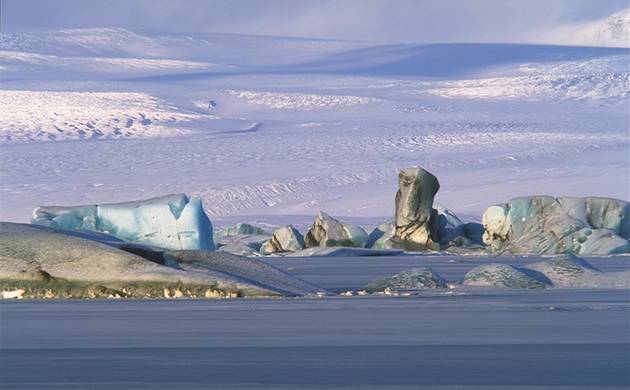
x: 51, y: 115
x: 272, y: 126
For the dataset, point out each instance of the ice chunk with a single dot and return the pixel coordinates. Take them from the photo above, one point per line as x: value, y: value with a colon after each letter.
x: 547, y: 225
x: 239, y: 229
x: 171, y: 222
x: 327, y: 231
x: 342, y: 251
x: 285, y: 239
x: 409, y: 279
x: 500, y: 275
x: 415, y: 217
x: 242, y: 245
x: 563, y: 270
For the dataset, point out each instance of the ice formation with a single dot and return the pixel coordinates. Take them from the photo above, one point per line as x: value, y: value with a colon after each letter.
x: 410, y: 279
x: 239, y: 229
x: 327, y: 231
x: 242, y: 245
x: 547, y: 225
x: 171, y: 222
x: 500, y: 275
x: 416, y: 224
x: 285, y: 239
x: 562, y: 271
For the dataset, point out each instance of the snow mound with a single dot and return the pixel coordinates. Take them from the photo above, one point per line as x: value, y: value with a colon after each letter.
x: 500, y: 275
x: 49, y: 115
x: 612, y: 31
x: 601, y: 79
x: 284, y: 239
x: 172, y: 221
x: 25, y: 62
x: 411, y: 279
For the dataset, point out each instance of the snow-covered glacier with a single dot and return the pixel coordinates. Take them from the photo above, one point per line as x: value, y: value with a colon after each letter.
x: 170, y: 222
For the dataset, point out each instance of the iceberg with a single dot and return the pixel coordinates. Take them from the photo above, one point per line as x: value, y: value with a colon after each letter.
x: 238, y: 230
x: 327, y: 231
x: 416, y: 225
x: 285, y: 239
x: 548, y: 225
x: 170, y: 222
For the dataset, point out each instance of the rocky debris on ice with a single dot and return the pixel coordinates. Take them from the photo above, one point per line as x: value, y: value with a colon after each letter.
x: 415, y: 219
x: 47, y: 263
x: 409, y: 279
x: 500, y: 275
x: 284, y: 239
x: 327, y: 231
x: 171, y: 222
x: 238, y: 230
x: 547, y: 225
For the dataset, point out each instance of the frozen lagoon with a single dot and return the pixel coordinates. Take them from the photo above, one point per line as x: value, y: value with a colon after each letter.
x: 555, y: 338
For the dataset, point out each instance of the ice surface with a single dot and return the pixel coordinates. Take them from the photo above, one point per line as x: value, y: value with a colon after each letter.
x: 502, y: 339
x: 172, y: 221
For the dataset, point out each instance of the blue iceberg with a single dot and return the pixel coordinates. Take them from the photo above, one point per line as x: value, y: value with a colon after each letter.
x: 170, y: 222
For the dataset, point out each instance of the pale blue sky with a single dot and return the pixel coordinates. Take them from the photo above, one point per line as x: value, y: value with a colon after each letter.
x: 372, y: 20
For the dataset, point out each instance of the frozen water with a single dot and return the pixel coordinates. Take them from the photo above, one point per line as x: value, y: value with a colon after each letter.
x: 171, y: 222
x: 505, y: 339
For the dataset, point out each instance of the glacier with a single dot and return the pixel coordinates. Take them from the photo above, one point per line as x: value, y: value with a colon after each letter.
x: 171, y: 222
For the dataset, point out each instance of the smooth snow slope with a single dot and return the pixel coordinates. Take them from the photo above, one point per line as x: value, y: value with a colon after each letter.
x: 284, y: 126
